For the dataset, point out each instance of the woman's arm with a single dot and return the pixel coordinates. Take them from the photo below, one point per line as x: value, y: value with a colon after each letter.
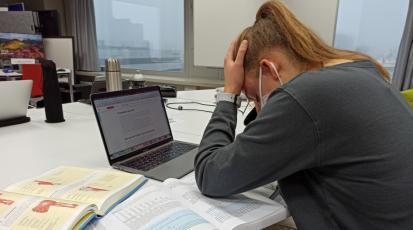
x: 279, y: 142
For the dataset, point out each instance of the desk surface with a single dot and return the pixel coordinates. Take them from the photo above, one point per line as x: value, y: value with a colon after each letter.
x: 12, y: 74
x: 16, y: 74
x: 32, y: 148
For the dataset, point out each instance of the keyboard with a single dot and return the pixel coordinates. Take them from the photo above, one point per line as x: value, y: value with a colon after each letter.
x: 159, y: 156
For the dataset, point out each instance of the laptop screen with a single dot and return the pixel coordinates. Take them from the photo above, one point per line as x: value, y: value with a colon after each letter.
x: 132, y: 122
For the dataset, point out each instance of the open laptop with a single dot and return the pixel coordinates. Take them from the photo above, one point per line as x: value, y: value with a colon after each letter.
x: 14, y: 98
x: 135, y: 130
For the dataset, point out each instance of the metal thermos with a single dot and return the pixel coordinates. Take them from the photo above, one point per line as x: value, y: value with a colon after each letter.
x: 113, y: 75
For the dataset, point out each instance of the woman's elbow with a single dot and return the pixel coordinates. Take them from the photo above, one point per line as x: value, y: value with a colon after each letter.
x: 210, y: 184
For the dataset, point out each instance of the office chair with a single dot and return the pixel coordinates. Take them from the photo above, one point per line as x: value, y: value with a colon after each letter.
x: 408, y: 95
x: 34, y: 72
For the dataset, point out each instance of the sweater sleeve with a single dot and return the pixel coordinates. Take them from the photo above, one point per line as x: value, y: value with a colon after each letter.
x: 279, y: 142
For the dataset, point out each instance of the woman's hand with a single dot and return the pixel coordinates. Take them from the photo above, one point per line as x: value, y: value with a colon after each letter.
x: 257, y: 106
x: 234, y: 69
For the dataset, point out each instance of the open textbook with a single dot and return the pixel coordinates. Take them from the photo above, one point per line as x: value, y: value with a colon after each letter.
x: 177, y: 204
x: 64, y: 198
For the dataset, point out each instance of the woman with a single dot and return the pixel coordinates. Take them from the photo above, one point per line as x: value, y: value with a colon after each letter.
x: 329, y: 128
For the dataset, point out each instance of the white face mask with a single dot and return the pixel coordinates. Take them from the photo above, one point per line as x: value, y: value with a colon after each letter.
x: 264, y: 99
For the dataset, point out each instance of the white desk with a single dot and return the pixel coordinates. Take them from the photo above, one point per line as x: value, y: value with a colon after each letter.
x: 10, y: 76
x: 35, y: 147
x: 32, y: 148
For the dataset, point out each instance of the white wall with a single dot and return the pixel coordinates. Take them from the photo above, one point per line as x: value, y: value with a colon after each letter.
x: 319, y: 15
x: 60, y: 50
x: 217, y: 23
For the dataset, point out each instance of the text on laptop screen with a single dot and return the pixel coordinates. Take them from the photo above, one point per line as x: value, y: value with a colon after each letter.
x: 132, y: 122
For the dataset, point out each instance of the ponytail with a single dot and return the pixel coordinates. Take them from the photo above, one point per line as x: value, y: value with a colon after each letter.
x: 277, y: 26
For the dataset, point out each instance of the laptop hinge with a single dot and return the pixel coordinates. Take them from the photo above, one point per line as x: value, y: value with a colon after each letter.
x: 149, y: 151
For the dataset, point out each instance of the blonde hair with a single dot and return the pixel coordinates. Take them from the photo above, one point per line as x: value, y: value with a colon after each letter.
x: 277, y: 26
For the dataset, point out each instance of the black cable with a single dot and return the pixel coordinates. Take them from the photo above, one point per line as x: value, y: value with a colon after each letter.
x: 189, y: 102
x: 180, y: 108
x: 245, y: 109
x: 275, y: 193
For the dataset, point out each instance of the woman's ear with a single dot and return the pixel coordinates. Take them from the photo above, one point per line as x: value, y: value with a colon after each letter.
x: 268, y: 68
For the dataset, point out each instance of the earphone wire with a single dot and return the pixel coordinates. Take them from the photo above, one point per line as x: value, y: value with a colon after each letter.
x: 168, y: 105
x: 188, y: 103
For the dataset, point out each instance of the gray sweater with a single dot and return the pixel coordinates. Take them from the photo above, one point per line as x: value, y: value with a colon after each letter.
x: 339, y: 141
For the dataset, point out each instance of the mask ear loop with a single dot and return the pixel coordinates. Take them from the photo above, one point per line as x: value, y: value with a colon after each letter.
x: 260, y: 84
x: 276, y: 72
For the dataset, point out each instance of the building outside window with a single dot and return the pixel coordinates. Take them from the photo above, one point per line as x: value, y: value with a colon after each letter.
x: 374, y: 27
x: 142, y: 34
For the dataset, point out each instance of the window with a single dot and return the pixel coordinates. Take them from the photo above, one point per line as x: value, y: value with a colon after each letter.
x: 142, y: 34
x: 374, y: 27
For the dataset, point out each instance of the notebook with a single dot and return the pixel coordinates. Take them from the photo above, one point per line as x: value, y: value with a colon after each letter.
x: 136, y: 134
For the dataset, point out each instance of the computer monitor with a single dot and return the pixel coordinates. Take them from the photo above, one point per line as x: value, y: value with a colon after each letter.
x: 13, y: 45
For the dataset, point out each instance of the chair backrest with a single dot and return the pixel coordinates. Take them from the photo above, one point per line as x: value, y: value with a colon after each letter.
x: 408, y: 95
x: 34, y: 72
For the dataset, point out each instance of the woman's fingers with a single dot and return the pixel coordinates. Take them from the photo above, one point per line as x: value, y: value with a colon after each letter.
x: 234, y: 69
x: 242, y: 50
x: 229, y: 56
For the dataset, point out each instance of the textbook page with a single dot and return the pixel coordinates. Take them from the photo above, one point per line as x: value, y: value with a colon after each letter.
x: 21, y: 212
x: 103, y: 189
x: 244, y: 211
x: 12, y: 206
x: 100, y: 187
x: 151, y: 208
x: 51, y: 182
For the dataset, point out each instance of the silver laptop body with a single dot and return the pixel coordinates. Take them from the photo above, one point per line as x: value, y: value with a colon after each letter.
x: 14, y: 98
x: 135, y: 131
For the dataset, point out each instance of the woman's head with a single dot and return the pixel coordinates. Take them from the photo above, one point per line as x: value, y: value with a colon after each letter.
x: 276, y: 28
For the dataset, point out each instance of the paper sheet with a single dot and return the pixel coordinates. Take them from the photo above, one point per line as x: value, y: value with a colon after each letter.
x: 153, y: 209
x: 226, y: 213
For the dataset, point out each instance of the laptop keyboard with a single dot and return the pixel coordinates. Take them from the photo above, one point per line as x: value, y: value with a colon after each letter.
x: 159, y: 156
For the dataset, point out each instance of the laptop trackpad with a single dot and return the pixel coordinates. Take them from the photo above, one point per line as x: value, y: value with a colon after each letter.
x: 175, y: 168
